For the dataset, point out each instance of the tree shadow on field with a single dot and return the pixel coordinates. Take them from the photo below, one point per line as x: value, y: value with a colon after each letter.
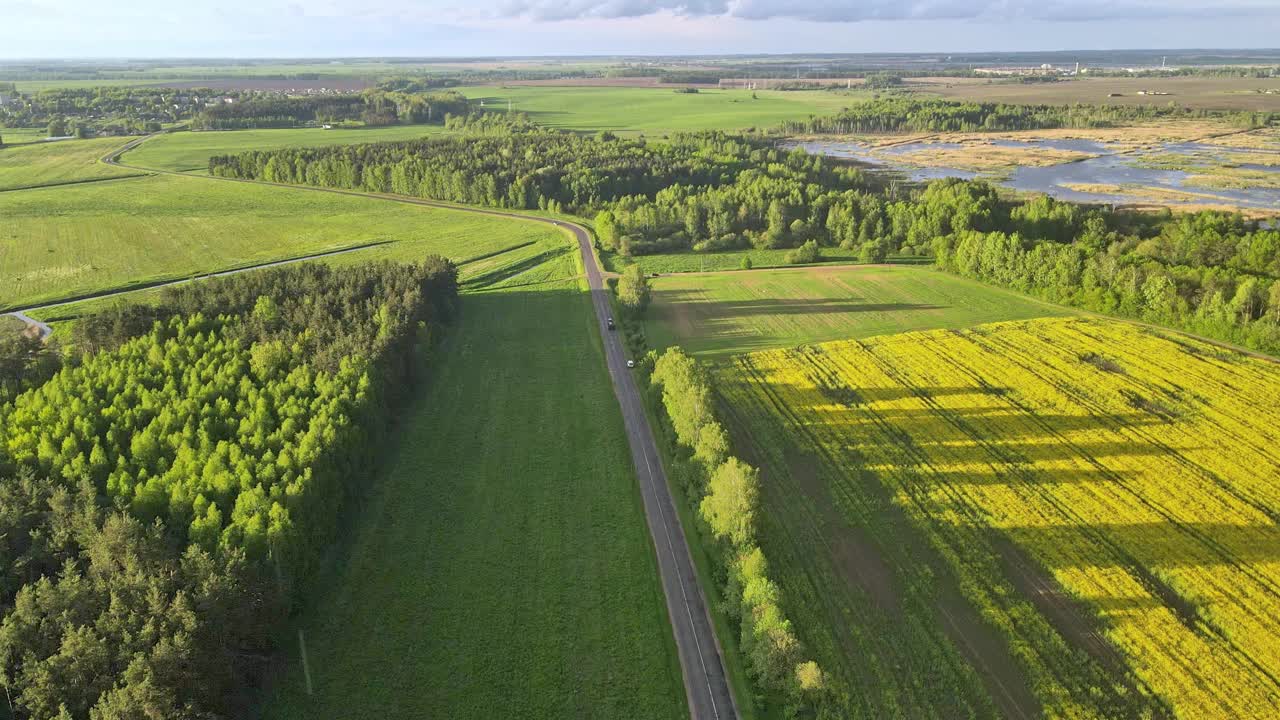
x: 722, y: 310
x: 942, y: 458
x: 744, y: 308
x: 866, y: 583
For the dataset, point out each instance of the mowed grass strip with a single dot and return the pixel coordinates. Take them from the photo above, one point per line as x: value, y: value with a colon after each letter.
x: 57, y: 163
x: 500, y: 567
x: 15, y: 136
x: 190, y: 151
x: 718, y: 314
x: 70, y: 242
x: 656, y: 110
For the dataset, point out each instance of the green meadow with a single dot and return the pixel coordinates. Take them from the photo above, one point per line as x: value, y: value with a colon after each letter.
x: 499, y: 566
x: 58, y: 163
x: 17, y: 136
x: 72, y: 241
x: 720, y: 314
x: 656, y: 111
x: 190, y: 151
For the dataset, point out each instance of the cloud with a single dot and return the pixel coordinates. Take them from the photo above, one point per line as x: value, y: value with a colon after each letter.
x: 863, y: 10
x: 551, y: 10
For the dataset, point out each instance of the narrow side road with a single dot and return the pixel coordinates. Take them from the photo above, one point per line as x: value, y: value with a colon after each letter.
x: 701, y: 661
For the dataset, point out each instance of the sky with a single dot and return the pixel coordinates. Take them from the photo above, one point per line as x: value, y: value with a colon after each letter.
x: 343, y: 28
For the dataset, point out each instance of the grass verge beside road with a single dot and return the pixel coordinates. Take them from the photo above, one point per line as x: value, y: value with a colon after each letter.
x: 500, y: 567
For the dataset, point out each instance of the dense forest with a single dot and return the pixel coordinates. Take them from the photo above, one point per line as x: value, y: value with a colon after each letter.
x: 167, y: 487
x: 905, y: 114
x: 522, y: 169
x: 1209, y: 272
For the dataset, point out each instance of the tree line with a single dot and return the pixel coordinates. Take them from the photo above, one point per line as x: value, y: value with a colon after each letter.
x: 372, y: 107
x: 896, y: 114
x: 522, y: 168
x: 726, y: 492
x: 1209, y: 273
x: 165, y: 488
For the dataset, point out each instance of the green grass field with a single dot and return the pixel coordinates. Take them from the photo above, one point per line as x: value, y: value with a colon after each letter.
x: 719, y: 314
x: 16, y: 136
x: 66, y: 242
x: 190, y: 151
x: 501, y: 566
x: 656, y: 110
x: 58, y: 163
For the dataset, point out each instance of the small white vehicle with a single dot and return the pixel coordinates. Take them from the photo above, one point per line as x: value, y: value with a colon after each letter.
x: 631, y: 363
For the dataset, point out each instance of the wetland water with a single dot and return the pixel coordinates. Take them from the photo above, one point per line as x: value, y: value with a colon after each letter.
x: 1112, y: 165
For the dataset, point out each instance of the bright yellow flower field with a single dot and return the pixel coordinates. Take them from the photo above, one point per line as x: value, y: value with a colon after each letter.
x: 1136, y: 472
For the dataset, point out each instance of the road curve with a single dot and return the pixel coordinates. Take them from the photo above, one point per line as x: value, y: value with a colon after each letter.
x: 701, y: 660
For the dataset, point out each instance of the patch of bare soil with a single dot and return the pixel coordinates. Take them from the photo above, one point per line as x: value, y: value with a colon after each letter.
x: 1063, y: 612
x: 862, y: 566
x: 988, y: 653
x: 854, y: 555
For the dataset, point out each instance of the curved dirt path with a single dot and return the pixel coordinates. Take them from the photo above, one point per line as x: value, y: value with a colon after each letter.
x: 702, y: 665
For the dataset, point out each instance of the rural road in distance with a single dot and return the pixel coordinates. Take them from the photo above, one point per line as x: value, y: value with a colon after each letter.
x: 702, y: 665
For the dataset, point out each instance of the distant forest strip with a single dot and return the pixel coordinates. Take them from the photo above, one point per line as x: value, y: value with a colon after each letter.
x: 119, y: 110
x: 372, y: 108
x: 902, y: 114
x: 165, y: 490
x: 1209, y: 272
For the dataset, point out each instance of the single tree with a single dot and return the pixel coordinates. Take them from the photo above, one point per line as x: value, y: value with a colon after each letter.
x: 730, y: 505
x: 633, y: 289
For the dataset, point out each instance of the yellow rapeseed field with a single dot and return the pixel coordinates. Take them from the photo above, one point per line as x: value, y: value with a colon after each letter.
x: 1129, y: 477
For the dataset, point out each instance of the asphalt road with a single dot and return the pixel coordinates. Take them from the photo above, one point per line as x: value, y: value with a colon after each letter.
x: 705, y: 682
x: 701, y: 661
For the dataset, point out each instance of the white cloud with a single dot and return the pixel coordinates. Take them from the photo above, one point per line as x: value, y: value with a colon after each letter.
x: 867, y: 10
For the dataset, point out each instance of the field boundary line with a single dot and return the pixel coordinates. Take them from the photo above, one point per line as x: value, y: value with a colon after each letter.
x: 83, y: 181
